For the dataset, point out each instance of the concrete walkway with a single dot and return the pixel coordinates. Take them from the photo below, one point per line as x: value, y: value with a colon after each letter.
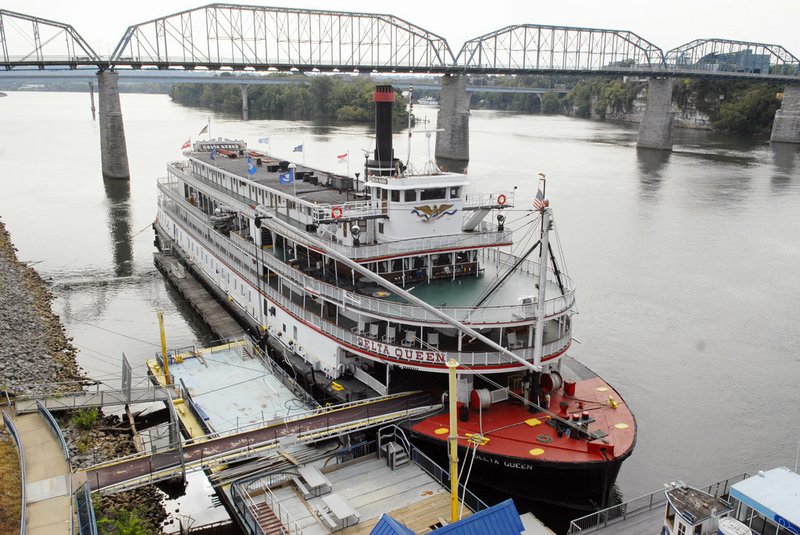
x: 47, y: 477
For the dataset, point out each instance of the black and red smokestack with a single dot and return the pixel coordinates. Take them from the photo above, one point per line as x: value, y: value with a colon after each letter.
x: 384, y: 155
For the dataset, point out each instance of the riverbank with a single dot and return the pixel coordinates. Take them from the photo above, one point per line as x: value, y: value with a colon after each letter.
x: 36, y: 355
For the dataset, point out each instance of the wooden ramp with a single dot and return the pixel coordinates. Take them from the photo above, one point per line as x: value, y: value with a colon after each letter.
x: 204, y: 303
x: 418, y: 517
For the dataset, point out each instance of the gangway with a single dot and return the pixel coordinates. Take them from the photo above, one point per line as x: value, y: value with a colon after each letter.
x: 244, y: 443
x: 97, y: 398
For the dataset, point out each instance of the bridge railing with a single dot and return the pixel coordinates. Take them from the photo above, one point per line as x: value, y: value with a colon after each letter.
x: 245, y: 500
x: 12, y: 429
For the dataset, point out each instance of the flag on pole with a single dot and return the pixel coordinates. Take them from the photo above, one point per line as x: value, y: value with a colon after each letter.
x: 298, y: 148
x: 264, y: 140
x: 204, y: 130
x: 213, y: 153
x: 538, y: 202
x: 343, y: 157
x: 287, y: 177
x: 186, y: 144
x: 251, y: 167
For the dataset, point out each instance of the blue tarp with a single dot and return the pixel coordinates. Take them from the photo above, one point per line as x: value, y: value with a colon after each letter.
x: 500, y: 519
x: 389, y: 526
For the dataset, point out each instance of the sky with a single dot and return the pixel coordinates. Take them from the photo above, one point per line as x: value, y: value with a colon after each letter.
x: 666, y: 23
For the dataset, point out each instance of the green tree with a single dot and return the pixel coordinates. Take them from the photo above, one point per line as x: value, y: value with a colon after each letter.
x: 123, y: 522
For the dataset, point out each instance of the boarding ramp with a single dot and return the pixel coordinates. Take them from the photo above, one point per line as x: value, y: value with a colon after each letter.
x: 253, y: 441
x: 53, y: 399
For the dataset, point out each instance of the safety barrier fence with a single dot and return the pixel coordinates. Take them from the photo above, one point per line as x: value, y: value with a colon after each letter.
x: 23, y: 521
x: 655, y: 500
x: 87, y: 524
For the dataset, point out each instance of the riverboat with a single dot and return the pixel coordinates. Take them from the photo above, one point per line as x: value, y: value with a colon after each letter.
x: 370, y: 287
x: 428, y: 101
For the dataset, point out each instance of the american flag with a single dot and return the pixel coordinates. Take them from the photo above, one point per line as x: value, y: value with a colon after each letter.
x: 343, y: 157
x: 538, y: 202
x: 186, y: 144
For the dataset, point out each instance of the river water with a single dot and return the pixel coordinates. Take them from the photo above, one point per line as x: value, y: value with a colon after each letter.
x: 686, y: 262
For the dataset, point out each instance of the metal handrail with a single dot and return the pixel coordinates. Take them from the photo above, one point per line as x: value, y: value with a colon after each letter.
x: 23, y: 522
x: 642, y: 504
x: 51, y: 421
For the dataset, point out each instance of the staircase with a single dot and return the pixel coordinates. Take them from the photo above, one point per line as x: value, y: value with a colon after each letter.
x: 396, y: 455
x: 269, y: 523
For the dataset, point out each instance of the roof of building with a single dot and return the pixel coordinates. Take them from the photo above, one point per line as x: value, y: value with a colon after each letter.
x: 774, y: 493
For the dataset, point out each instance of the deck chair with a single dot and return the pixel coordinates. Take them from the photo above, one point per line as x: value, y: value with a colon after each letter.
x: 391, y: 333
x: 408, y: 341
x: 513, y: 343
x: 433, y: 340
x: 373, y: 330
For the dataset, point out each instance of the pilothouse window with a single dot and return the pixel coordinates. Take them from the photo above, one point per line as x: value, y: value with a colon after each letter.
x: 455, y: 191
x: 411, y: 195
x: 395, y: 195
x: 433, y: 194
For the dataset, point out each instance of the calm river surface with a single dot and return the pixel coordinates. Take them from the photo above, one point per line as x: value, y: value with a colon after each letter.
x: 686, y: 263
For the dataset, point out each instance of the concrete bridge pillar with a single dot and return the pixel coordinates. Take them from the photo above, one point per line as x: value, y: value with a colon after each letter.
x: 113, y: 150
x: 786, y: 128
x: 453, y: 118
x: 245, y: 106
x: 655, y: 130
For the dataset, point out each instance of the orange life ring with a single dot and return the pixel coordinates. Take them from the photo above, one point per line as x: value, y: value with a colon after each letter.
x: 501, y: 199
x: 336, y: 212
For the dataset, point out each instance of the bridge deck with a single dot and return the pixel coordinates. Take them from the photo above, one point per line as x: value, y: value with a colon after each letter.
x: 47, y: 476
x: 145, y: 469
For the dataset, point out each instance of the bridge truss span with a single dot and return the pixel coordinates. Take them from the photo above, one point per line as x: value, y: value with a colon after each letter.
x: 723, y: 56
x: 532, y: 48
x: 33, y: 42
x: 239, y: 37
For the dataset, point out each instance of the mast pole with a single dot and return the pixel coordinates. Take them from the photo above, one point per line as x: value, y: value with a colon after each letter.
x: 167, y: 378
x: 452, y: 439
x: 540, y: 300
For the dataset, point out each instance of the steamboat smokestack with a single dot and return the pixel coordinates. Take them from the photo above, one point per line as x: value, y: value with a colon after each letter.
x: 384, y: 155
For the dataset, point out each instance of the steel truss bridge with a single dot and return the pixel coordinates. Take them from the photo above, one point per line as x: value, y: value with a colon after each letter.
x: 254, y: 38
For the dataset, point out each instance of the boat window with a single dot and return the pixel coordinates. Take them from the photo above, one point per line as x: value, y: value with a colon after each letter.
x: 411, y: 195
x: 455, y: 191
x: 431, y: 194
x: 380, y: 228
x: 395, y: 195
x: 681, y: 528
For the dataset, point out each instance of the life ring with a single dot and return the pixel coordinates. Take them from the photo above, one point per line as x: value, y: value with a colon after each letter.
x: 501, y: 199
x: 336, y: 212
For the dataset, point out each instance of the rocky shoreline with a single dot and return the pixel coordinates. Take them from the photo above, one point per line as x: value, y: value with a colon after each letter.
x: 37, y: 355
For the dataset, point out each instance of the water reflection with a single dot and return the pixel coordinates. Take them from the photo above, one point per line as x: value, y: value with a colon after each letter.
x: 118, y: 193
x: 651, y: 170
x: 784, y: 156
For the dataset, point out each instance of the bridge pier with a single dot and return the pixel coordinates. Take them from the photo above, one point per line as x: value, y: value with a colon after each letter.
x: 453, y: 118
x: 655, y: 130
x: 786, y: 127
x: 113, y: 150
x: 245, y: 106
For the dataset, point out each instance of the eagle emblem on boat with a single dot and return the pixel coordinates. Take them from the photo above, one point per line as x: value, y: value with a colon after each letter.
x: 431, y: 213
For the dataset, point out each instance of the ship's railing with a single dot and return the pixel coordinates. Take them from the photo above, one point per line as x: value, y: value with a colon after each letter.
x: 325, y: 213
x: 403, y: 247
x: 241, y: 252
x: 237, y: 202
x: 478, y: 200
x: 655, y: 500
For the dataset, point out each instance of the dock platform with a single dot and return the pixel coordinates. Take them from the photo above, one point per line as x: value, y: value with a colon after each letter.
x: 219, y: 320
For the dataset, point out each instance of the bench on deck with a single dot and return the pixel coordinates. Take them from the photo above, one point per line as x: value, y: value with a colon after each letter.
x: 326, y: 519
x: 315, y: 480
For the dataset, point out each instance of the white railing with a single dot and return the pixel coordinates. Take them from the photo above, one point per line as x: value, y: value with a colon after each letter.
x: 478, y: 200
x: 370, y: 381
x: 234, y: 200
x: 292, y: 527
x: 347, y: 210
x: 402, y: 247
x: 242, y: 251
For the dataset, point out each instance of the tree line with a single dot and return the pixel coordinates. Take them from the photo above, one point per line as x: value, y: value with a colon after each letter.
x: 312, y: 98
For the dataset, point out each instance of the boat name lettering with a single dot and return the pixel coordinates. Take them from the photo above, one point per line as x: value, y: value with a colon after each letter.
x: 404, y: 353
x: 508, y: 464
x: 378, y: 180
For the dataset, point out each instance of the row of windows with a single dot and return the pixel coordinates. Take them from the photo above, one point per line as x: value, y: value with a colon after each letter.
x: 430, y: 194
